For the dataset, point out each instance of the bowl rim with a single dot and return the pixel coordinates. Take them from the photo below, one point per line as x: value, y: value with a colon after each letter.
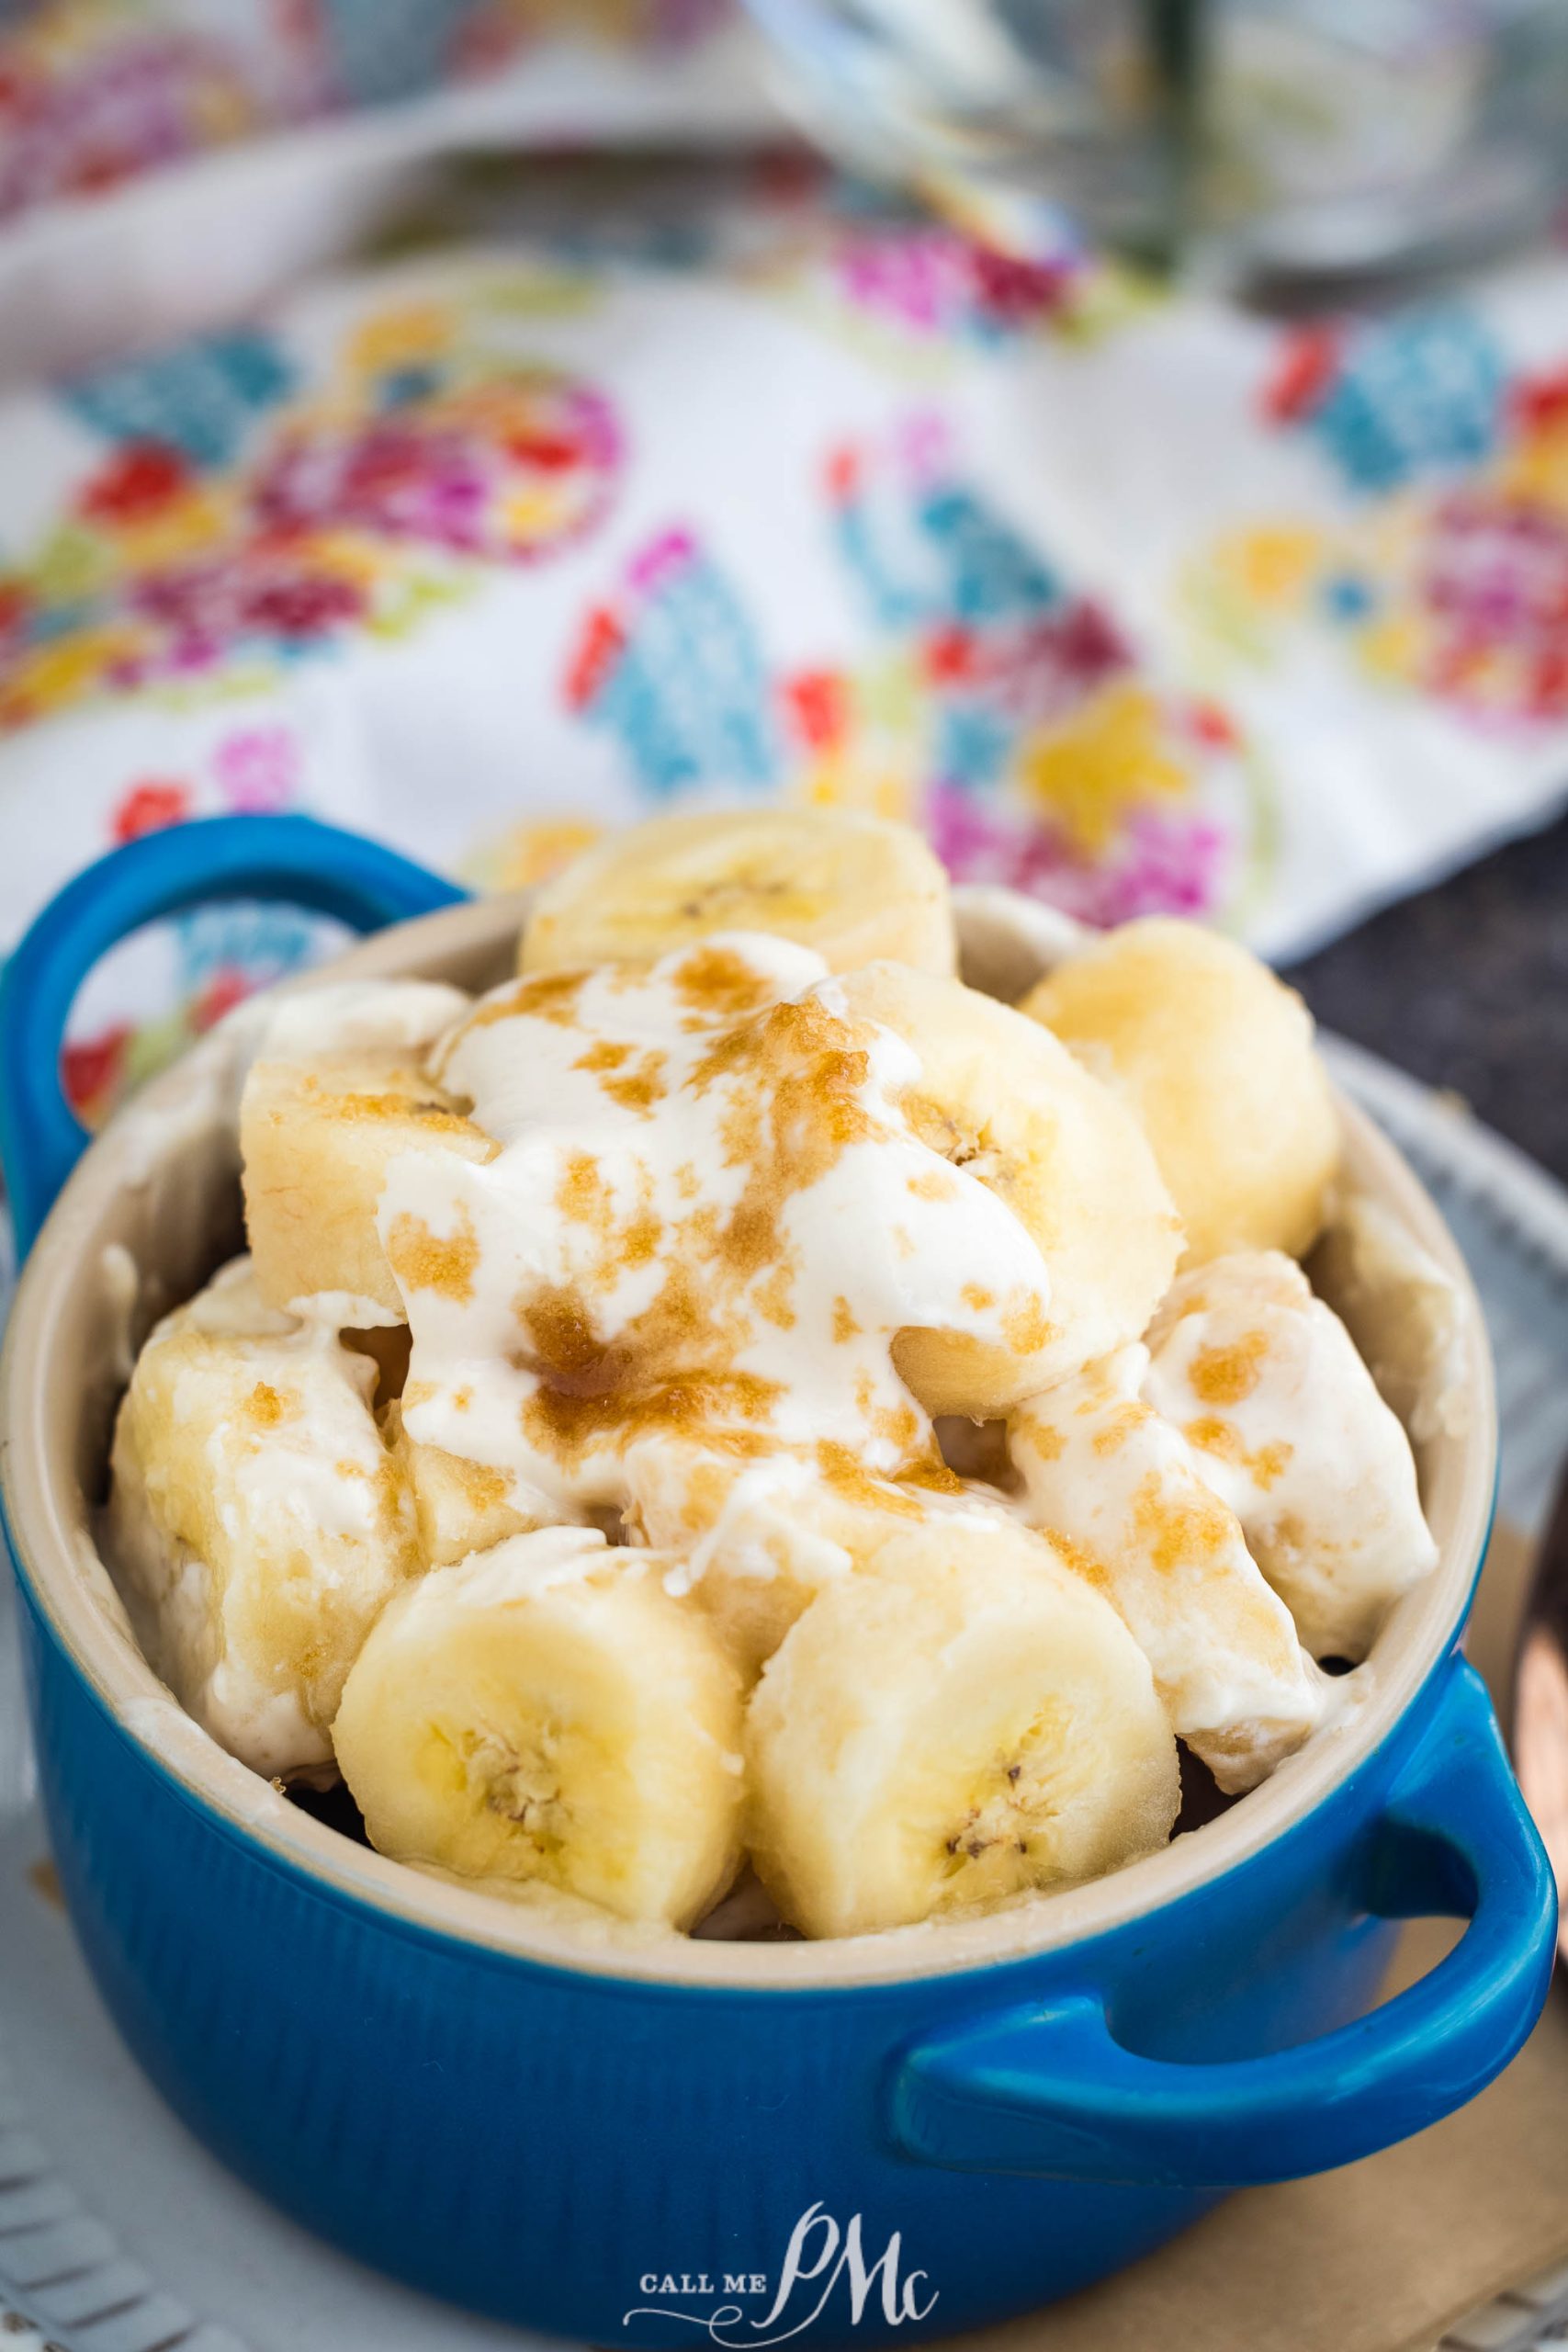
x: 51, y: 1543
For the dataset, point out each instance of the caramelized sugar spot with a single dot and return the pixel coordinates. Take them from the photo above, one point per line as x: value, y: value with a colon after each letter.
x: 900, y: 1428
x: 427, y: 1110
x: 716, y: 983
x: 638, y: 1090
x: 423, y: 1261
x: 840, y: 1468
x: 1229, y: 1375
x: 1264, y: 1466
x: 541, y: 996
x: 932, y: 1185
x: 1026, y: 1326
x: 1269, y: 1461
x: 483, y: 1489
x: 1082, y: 1561
x: 665, y: 1373
x: 266, y: 1407
x: 584, y: 1196
x: 773, y: 1298
x: 931, y: 1474
x: 1113, y: 1435
x: 1190, y: 1533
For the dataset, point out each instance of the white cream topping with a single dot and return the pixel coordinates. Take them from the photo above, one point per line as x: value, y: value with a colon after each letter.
x: 349, y: 1013
x: 708, y: 1215
x: 1287, y: 1427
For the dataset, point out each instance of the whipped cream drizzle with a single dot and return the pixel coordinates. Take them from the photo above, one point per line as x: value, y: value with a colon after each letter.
x: 1286, y: 1427
x: 343, y: 1013
x: 708, y: 1218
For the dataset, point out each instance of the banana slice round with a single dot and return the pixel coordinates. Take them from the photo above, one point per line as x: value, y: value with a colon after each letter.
x: 257, y: 1521
x: 1216, y: 1058
x: 547, y: 1712
x: 853, y: 885
x: 961, y: 1724
x: 1114, y: 1487
x: 317, y: 1136
x: 1002, y: 1099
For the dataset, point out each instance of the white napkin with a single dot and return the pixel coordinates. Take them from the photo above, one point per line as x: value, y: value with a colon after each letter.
x: 721, y: 483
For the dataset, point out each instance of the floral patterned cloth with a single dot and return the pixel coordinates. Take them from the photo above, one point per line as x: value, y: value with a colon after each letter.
x: 705, y: 484
x: 96, y: 92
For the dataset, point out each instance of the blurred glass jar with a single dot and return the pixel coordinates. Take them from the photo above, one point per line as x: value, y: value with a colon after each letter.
x: 1248, y: 139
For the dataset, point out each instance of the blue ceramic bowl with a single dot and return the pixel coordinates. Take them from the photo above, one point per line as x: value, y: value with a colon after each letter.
x: 639, y: 2142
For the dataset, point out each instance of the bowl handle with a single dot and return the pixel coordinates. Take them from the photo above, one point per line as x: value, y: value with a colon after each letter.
x: 1048, y: 2089
x: 295, y: 859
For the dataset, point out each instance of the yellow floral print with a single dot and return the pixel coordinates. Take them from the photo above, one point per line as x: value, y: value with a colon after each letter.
x: 1107, y: 762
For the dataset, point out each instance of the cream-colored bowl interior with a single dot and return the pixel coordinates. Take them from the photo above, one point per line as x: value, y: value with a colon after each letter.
x: 154, y: 1207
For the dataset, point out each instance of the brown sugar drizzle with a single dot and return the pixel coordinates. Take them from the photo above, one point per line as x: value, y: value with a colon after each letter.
x: 423, y: 1261
x: 1265, y: 1465
x: 794, y: 1079
x: 1082, y: 1561
x: 1228, y: 1376
x: 717, y: 983
x: 842, y: 1471
x: 653, y: 1378
x: 430, y: 1113
x: 1123, y: 1423
x: 790, y: 1089
x: 1190, y: 1534
x: 638, y: 1090
x: 266, y: 1407
x: 1027, y: 1328
x: 541, y: 996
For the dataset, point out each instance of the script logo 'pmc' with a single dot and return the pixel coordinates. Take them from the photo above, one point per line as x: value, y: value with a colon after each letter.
x: 819, y: 2255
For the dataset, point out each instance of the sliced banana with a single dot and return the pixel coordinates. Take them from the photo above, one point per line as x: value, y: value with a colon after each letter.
x: 257, y: 1520
x: 1402, y: 1310
x: 547, y: 1712
x: 1216, y: 1058
x: 317, y: 1136
x: 337, y: 1016
x: 1114, y: 1487
x: 963, y: 1723
x: 757, y: 1536
x: 853, y: 885
x: 1286, y: 1428
x: 999, y: 1097
x: 461, y: 1506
